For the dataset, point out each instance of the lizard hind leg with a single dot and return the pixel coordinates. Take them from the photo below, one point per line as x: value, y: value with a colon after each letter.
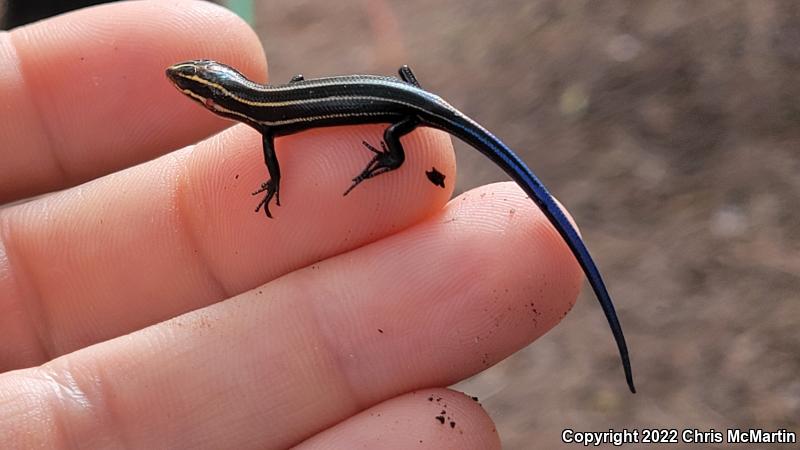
x: 390, y: 157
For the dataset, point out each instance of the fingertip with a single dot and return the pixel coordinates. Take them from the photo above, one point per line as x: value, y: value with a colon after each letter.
x: 430, y: 418
x: 92, y: 93
x: 317, y: 165
x: 503, y: 208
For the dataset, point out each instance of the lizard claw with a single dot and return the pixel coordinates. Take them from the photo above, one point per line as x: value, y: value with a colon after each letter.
x: 272, y: 191
x: 383, y: 161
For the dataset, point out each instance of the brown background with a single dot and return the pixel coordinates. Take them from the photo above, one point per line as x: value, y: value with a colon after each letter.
x: 671, y: 131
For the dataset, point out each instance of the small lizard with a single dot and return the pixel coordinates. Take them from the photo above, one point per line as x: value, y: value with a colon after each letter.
x: 281, y: 109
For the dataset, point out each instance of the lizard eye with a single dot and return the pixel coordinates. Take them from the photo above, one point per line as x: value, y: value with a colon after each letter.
x: 217, y: 92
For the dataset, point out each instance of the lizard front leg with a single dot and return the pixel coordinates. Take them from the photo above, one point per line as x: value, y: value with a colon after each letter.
x: 271, y: 186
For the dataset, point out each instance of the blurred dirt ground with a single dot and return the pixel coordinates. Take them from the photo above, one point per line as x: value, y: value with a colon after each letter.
x: 671, y: 131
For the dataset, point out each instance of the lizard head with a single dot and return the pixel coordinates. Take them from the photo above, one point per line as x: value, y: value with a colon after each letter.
x: 208, y: 82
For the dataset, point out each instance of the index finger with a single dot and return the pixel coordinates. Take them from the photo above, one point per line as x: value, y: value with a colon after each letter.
x: 85, y: 92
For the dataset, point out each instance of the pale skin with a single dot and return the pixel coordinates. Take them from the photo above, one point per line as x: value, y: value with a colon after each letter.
x: 338, y: 324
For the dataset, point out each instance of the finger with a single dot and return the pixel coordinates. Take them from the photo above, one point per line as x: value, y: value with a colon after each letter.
x: 178, y: 233
x: 427, y: 419
x: 425, y: 307
x: 90, y: 92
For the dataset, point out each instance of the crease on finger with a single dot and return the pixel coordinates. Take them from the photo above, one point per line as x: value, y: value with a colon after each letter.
x: 29, y: 298
x: 42, y: 123
x: 56, y: 400
x: 86, y: 403
x: 57, y: 392
x: 179, y: 201
x: 326, y: 355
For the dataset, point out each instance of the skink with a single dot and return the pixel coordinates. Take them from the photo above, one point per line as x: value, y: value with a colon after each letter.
x: 281, y: 109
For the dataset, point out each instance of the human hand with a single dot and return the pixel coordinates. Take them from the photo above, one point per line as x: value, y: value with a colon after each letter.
x: 151, y: 307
